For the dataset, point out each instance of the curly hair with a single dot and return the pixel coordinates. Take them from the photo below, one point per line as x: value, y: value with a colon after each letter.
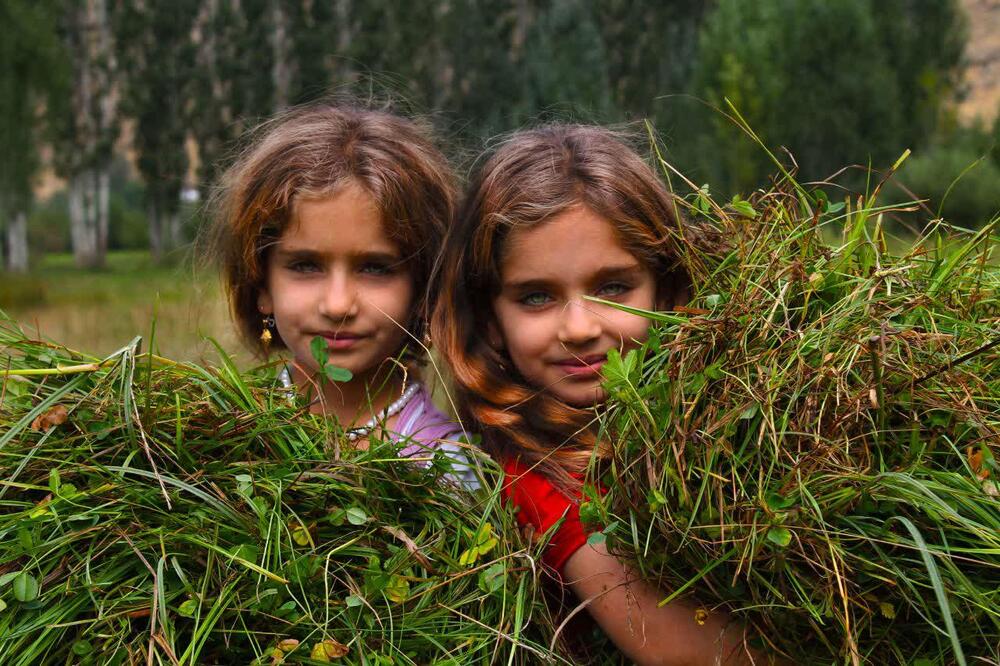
x: 313, y: 151
x: 531, y: 177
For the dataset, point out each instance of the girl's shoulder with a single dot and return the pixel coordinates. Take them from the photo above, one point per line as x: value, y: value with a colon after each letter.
x: 423, y: 423
x: 422, y: 428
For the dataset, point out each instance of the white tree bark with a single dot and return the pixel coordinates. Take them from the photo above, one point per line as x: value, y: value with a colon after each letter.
x: 175, y: 226
x: 95, y: 107
x: 17, y: 243
x: 88, y: 200
x: 156, y: 240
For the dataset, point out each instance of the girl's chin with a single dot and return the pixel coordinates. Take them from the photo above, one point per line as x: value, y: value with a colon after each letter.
x: 584, y: 399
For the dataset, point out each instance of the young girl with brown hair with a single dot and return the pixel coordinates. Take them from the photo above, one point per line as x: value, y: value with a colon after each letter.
x: 327, y: 227
x: 555, y: 215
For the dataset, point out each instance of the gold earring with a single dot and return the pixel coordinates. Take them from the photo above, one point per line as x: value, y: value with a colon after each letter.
x: 265, y: 334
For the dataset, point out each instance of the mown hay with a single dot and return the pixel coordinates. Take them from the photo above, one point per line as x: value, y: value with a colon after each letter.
x: 158, y: 511
x: 813, y: 444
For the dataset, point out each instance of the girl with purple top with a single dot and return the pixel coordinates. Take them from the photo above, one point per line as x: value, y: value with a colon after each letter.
x: 327, y: 227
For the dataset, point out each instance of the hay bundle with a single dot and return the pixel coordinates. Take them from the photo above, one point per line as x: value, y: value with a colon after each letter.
x: 813, y: 444
x: 165, y: 512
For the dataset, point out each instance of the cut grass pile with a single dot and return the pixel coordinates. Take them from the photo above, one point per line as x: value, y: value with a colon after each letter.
x: 813, y: 444
x: 156, y: 512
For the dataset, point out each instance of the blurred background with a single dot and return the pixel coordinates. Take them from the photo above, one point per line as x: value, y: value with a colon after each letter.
x: 117, y: 115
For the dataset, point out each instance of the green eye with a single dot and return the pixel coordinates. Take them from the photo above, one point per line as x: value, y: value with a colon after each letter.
x: 375, y: 268
x: 534, y: 299
x: 303, y: 267
x: 614, y: 289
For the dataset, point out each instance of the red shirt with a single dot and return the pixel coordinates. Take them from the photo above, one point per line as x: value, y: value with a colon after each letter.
x: 542, y: 505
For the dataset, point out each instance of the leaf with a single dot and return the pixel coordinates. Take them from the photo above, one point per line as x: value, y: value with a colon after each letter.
x: 319, y: 350
x: 590, y: 514
x: 287, y: 645
x: 3, y: 605
x: 779, y: 536
x: 778, y: 502
x: 9, y: 576
x: 742, y: 207
x: 888, y: 610
x: 397, y: 589
x: 493, y: 578
x: 300, y: 534
x: 188, y: 608
x: 329, y: 649
x: 714, y: 371
x: 25, y: 587
x: 484, y: 548
x: 356, y: 516
x: 596, y: 538
x: 353, y: 601
x: 469, y: 556
x: 56, y: 415
x: 82, y: 648
x: 336, y: 374
x: 54, y: 481
x: 484, y: 534
x: 655, y: 499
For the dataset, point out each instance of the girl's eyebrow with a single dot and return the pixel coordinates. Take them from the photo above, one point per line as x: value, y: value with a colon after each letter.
x: 301, y: 254
x: 606, y: 272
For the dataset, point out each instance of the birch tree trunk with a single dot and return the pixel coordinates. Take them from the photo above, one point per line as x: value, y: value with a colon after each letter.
x: 93, y: 130
x: 155, y: 232
x: 17, y: 243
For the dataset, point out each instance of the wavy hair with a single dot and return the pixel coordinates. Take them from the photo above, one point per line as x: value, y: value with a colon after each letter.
x: 314, y: 151
x: 531, y: 177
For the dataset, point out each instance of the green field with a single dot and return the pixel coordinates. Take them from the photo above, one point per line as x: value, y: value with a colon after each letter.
x: 174, y: 307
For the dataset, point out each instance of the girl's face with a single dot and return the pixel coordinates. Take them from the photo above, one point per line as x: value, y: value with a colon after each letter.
x: 335, y: 274
x: 557, y: 340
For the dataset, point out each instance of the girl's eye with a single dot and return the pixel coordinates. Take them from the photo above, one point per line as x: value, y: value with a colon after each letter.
x: 303, y: 267
x: 614, y: 289
x: 534, y: 299
x: 376, y: 268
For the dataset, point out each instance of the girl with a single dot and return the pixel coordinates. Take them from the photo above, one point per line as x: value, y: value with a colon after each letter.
x: 556, y: 214
x: 327, y: 227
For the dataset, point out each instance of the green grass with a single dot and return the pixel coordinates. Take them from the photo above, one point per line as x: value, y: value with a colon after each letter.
x: 100, y: 311
x: 814, y: 446
x: 190, y: 515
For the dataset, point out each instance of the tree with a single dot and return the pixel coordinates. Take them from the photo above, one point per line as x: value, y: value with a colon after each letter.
x: 809, y: 75
x: 87, y: 126
x: 233, y: 83
x: 30, y: 76
x: 158, y: 57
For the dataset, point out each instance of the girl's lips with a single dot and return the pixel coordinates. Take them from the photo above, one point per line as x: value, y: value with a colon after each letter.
x: 584, y: 366
x: 341, y: 341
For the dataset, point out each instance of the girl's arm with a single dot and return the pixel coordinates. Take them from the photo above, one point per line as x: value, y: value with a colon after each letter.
x: 626, y: 609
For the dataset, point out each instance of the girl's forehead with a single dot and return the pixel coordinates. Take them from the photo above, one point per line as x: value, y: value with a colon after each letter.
x: 347, y: 217
x: 578, y: 239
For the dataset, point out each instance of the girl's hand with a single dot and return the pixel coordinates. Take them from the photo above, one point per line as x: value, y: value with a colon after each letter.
x: 626, y: 609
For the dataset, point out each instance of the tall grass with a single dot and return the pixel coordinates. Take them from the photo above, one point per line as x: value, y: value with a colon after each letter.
x: 99, y: 310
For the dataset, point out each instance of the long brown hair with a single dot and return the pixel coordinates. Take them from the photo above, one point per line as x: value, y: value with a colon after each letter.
x: 531, y: 177
x: 313, y: 151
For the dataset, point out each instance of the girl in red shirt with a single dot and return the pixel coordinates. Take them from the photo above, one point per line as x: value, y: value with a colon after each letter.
x: 554, y: 215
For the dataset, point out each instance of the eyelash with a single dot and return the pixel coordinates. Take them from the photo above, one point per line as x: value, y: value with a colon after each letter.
x: 372, y: 268
x: 610, y: 290
x: 302, y: 267
x: 619, y: 288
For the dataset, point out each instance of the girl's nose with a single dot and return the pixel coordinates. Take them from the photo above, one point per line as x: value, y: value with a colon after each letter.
x: 579, y: 324
x: 340, y: 298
